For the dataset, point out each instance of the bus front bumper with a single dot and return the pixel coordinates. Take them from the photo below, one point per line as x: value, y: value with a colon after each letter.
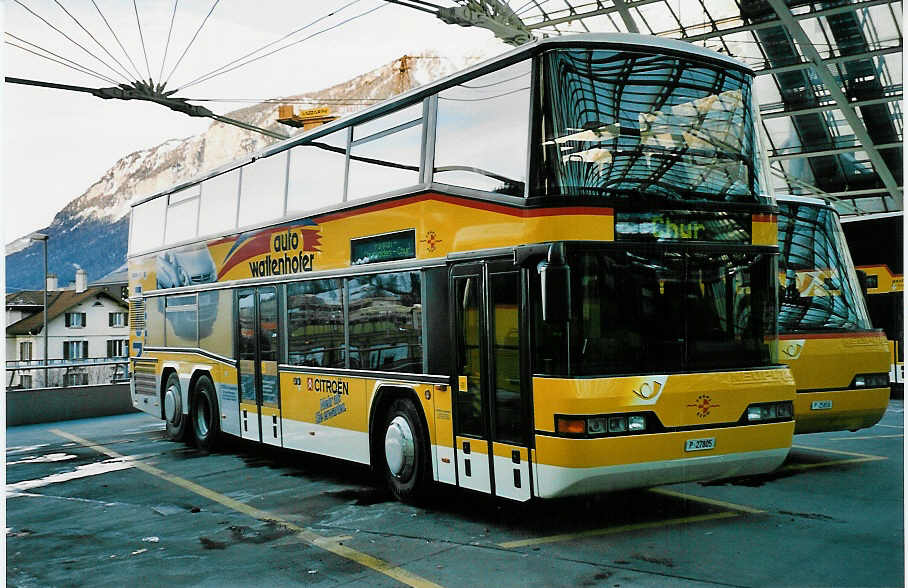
x: 839, y: 410
x: 566, y: 467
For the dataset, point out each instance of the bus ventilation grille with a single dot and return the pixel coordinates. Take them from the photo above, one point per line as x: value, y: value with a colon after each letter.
x: 137, y: 314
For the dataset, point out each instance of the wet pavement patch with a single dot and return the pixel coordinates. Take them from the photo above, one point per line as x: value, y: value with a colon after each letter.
x: 364, y: 496
x: 211, y: 543
x: 662, y: 561
x: 810, y: 515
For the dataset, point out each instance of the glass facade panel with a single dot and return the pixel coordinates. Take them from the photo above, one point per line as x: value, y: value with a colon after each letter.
x: 385, y: 322
x: 819, y: 286
x: 656, y: 310
x: 147, y: 225
x: 388, y: 121
x: 316, y: 177
x: 219, y: 202
x: 387, y: 163
x: 482, y: 129
x: 216, y: 322
x: 264, y: 182
x: 246, y: 343
x: 648, y: 128
x: 315, y: 327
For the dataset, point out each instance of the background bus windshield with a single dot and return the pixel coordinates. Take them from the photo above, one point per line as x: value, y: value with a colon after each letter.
x: 631, y: 125
x: 820, y: 290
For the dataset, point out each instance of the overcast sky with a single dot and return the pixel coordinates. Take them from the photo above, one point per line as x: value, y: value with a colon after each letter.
x: 57, y: 143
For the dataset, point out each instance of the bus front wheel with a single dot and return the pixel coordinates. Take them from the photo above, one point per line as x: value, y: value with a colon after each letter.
x: 205, y: 415
x: 404, y: 448
x: 173, y: 408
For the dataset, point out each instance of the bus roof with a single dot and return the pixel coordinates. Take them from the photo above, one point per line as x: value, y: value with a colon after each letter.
x: 628, y: 41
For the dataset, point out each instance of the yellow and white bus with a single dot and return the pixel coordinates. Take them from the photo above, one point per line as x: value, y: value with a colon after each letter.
x: 876, y: 244
x: 839, y: 361
x: 553, y: 273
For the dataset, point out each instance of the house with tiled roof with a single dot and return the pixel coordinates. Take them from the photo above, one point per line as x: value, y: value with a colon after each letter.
x: 82, y: 322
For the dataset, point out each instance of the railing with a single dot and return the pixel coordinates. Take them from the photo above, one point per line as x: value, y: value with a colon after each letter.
x: 66, y: 372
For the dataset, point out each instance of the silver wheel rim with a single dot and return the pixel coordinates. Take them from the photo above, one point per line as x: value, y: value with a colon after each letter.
x: 399, y: 448
x: 172, y: 404
x: 202, y: 417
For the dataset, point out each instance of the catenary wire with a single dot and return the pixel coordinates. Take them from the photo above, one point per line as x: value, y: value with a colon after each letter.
x: 73, y: 64
x: 78, y: 69
x: 263, y: 47
x: 70, y: 39
x: 173, y: 16
x: 343, y: 22
x: 117, y: 39
x: 142, y: 38
x: 93, y: 38
x: 191, y: 41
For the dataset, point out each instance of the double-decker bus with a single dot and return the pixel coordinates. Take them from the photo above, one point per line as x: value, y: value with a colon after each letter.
x: 839, y: 361
x: 875, y: 242
x: 551, y: 274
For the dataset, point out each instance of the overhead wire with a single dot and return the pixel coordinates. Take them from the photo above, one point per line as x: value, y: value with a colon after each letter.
x: 263, y: 47
x: 76, y: 67
x: 191, y: 41
x: 142, y: 38
x: 70, y: 39
x: 173, y: 16
x: 400, y: 2
x: 93, y: 38
x: 117, y: 39
x: 343, y: 22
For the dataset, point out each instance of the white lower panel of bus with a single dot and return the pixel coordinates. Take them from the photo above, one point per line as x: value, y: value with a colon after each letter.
x: 330, y: 441
x: 554, y: 481
x: 443, y: 458
x: 512, y: 480
x: 249, y: 422
x: 473, y: 467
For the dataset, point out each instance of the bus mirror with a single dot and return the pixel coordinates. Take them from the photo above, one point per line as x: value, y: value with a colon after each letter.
x: 555, y: 280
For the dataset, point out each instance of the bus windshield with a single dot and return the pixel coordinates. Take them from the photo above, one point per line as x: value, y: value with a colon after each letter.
x: 647, y: 309
x: 632, y: 126
x: 820, y: 289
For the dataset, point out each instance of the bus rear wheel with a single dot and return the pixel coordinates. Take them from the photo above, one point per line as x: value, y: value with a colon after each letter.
x: 172, y: 400
x: 204, y: 415
x: 404, y: 451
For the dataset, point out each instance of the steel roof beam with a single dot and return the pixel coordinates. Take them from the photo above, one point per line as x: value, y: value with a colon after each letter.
x: 591, y: 13
x: 770, y: 114
x: 807, y: 49
x: 831, y: 60
x: 834, y: 151
x: 626, y: 16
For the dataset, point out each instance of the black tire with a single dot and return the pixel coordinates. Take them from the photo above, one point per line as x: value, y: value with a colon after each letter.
x: 204, y: 415
x: 404, y: 443
x: 172, y: 403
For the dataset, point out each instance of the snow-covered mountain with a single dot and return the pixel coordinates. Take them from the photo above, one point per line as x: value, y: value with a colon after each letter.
x: 94, y: 226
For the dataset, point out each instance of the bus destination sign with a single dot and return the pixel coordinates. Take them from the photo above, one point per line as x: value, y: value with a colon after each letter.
x: 390, y: 247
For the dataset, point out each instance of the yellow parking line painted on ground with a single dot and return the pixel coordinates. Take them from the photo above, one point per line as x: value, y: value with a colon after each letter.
x: 615, y: 530
x: 866, y: 437
x: 327, y: 543
x: 710, y: 501
x: 838, y: 451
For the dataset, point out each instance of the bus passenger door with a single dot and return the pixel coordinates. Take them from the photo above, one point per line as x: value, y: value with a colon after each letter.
x: 257, y: 320
x: 490, y: 406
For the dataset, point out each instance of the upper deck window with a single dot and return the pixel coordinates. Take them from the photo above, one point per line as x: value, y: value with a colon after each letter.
x: 482, y: 129
x: 262, y: 189
x: 387, y: 156
x: 630, y: 126
x: 316, y: 176
x: 820, y: 287
x: 219, y: 201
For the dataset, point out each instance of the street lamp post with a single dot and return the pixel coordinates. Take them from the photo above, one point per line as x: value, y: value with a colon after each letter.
x: 43, y: 238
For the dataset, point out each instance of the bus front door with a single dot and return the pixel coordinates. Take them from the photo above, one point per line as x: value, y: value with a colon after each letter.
x: 260, y: 406
x: 491, y: 408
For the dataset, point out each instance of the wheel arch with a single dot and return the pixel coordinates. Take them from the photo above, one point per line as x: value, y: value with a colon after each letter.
x: 385, y: 394
x: 165, y: 375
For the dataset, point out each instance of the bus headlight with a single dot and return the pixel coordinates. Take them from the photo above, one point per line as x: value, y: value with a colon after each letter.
x: 636, y: 422
x: 880, y: 380
x: 600, y: 425
x: 595, y: 425
x: 769, y: 411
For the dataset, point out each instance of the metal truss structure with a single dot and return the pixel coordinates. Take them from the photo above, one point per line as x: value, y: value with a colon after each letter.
x: 829, y: 76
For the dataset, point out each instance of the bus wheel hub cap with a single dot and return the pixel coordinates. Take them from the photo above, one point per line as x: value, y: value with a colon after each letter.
x: 172, y: 404
x: 399, y: 449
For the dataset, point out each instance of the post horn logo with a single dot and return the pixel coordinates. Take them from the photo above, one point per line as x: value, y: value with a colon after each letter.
x: 648, y: 389
x: 703, y: 405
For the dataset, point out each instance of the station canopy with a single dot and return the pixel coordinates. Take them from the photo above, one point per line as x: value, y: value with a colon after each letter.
x: 829, y: 76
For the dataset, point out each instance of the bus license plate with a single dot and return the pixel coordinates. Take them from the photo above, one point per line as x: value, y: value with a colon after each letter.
x: 821, y: 405
x: 700, y: 444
